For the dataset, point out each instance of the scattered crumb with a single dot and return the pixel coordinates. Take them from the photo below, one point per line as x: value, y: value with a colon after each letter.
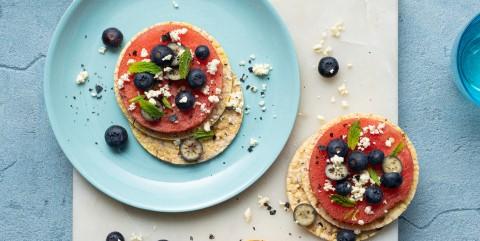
x: 332, y: 99
x: 175, y: 5
x: 337, y: 29
x: 349, y: 66
x: 262, y: 200
x: 247, y: 215
x: 253, y: 57
x: 345, y: 104
x: 81, y: 77
x: 321, y: 118
x: 342, y: 90
x: 136, y: 237
x: 242, y: 63
x: 102, y: 50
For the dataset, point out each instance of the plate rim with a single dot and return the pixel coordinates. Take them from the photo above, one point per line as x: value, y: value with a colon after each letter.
x: 212, y: 202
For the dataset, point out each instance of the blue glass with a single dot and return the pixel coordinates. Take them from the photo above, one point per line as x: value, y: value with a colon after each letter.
x: 466, y: 60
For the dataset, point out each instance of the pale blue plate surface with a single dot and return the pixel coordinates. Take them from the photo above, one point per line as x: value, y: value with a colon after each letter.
x: 133, y: 176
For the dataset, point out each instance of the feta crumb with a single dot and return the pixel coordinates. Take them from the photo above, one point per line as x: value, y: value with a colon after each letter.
x: 144, y: 53
x: 81, y: 77
x: 121, y: 81
x: 344, y: 104
x: 132, y: 107
x: 327, y: 186
x: 357, y: 231
x: 349, y: 66
x: 389, y: 141
x: 207, y: 126
x: 175, y: 34
x: 203, y: 108
x: 363, y: 143
x: 130, y: 61
x: 261, y: 103
x: 212, y: 66
x: 247, y: 215
x: 264, y: 108
x: 206, y: 89
x: 152, y: 101
x: 253, y: 57
x: 368, y: 210
x: 253, y: 88
x: 213, y: 99
x: 136, y: 237
x: 242, y: 63
x: 102, y: 50
x: 261, y: 69
x: 264, y: 86
x: 253, y: 142
x: 321, y: 118
x: 385, y: 211
x: 262, y: 200
x: 218, y: 91
x: 165, y: 91
x: 336, y: 160
x: 184, y: 99
x: 361, y: 222
x: 168, y: 57
x: 175, y: 5
x: 337, y: 29
x: 327, y: 51
x: 342, y: 90
x: 332, y: 99
x: 167, y: 69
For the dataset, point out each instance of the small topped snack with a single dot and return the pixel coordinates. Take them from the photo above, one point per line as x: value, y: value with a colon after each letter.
x: 359, y: 173
x: 175, y: 85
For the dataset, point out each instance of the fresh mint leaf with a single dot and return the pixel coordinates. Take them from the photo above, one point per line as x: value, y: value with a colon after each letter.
x: 201, y: 134
x: 184, y: 63
x: 166, y: 103
x: 353, y: 135
x: 397, y: 149
x: 144, y: 67
x: 343, y: 201
x: 373, y: 175
x: 146, y: 106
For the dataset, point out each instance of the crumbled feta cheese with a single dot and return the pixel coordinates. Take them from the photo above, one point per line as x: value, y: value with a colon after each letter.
x: 264, y: 108
x: 207, y: 126
x: 374, y: 130
x: 253, y: 142
x: 242, y: 63
x: 152, y: 101
x: 368, y: 210
x: 321, y: 118
x: 247, y: 215
x: 158, y: 76
x: 327, y: 51
x: 218, y: 91
x: 136, y: 237
x: 361, y: 222
x: 336, y: 160
x: 206, y: 89
x: 121, y: 81
x: 184, y: 99
x: 253, y: 88
x: 342, y: 90
x: 363, y: 143
x: 349, y: 66
x: 168, y: 57
x: 213, y: 99
x: 144, y: 53
x: 132, y: 107
x: 261, y: 103
x: 344, y: 104
x: 389, y: 141
x: 203, y: 108
x: 337, y: 29
x: 261, y: 69
x: 130, y: 61
x: 234, y: 101
x: 81, y: 77
x: 332, y: 99
x: 165, y: 91
x: 253, y: 57
x: 102, y: 50
x: 167, y: 69
x: 357, y: 231
x: 175, y: 34
x: 212, y: 66
x: 264, y: 87
x: 262, y: 200
x: 385, y: 211
x: 175, y: 5
x: 327, y: 186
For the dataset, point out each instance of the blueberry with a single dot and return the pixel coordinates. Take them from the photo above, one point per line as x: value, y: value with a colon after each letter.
x: 328, y: 67
x: 143, y: 81
x: 346, y: 235
x: 373, y: 194
x: 184, y: 100
x: 116, y: 136
x: 357, y: 161
x: 112, y: 37
x: 115, y: 236
x: 159, y: 55
x: 337, y: 147
x: 196, y: 78
x: 392, y: 179
x: 376, y: 157
x: 202, y: 52
x: 343, y: 188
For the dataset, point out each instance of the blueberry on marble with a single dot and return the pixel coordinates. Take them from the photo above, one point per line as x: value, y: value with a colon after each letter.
x: 328, y: 67
x: 115, y: 236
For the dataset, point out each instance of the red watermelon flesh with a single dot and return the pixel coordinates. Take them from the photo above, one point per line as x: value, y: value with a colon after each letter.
x: 391, y: 196
x: 187, y: 120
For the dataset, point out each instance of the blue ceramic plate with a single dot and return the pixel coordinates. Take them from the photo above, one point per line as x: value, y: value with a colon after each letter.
x: 133, y: 176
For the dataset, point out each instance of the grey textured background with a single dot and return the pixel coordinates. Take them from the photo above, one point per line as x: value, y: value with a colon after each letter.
x: 35, y: 176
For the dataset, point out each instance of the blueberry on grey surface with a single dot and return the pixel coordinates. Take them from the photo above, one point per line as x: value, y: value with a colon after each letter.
x: 346, y: 235
x: 115, y: 236
x: 328, y: 67
x: 159, y: 54
x: 202, y: 52
x: 357, y: 161
x: 116, y: 136
x: 343, y: 188
x: 143, y: 81
x: 112, y: 37
x: 196, y: 78
x: 392, y: 179
x: 376, y: 156
x: 337, y: 147
x: 184, y: 100
x: 373, y: 194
